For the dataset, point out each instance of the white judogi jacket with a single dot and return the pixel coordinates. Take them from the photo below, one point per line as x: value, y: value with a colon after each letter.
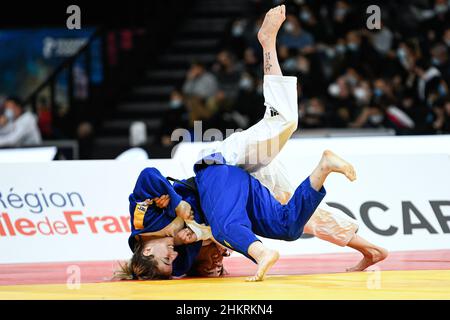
x: 256, y: 148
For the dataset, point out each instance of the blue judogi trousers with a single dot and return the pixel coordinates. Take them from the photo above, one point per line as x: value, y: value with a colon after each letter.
x: 238, y: 207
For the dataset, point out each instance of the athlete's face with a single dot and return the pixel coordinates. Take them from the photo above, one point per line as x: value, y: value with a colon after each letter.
x: 164, y: 253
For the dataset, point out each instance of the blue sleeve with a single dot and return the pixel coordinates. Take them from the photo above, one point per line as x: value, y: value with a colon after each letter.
x: 186, y: 258
x: 150, y: 184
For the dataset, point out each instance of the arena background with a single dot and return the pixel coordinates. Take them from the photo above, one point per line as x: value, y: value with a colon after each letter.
x: 107, y: 98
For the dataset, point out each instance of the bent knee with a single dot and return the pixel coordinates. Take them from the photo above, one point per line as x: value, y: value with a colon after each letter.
x: 294, y: 234
x: 292, y: 124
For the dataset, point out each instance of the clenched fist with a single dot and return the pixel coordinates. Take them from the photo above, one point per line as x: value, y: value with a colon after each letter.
x: 185, y: 236
x: 163, y: 201
x: 184, y: 211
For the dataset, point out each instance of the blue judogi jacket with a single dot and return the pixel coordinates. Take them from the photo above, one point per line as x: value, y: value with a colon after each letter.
x: 150, y: 184
x: 238, y: 207
x: 235, y: 204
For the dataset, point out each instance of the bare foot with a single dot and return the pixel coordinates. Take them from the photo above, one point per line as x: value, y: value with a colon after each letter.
x: 273, y: 20
x: 333, y: 163
x: 374, y: 255
x: 267, y: 260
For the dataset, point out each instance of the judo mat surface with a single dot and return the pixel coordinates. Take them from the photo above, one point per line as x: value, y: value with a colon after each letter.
x: 403, y: 275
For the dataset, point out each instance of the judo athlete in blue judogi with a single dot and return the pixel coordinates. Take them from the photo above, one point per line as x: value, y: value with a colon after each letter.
x: 235, y: 205
x: 238, y: 207
x: 229, y: 201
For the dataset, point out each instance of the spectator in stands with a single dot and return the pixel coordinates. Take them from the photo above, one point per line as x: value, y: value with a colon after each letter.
x: 446, y: 124
x: 440, y: 60
x: 44, y: 118
x: 311, y: 23
x: 228, y: 73
x: 446, y: 37
x: 3, y: 119
x: 343, y: 19
x: 295, y: 37
x: 252, y: 64
x: 200, y: 82
x: 174, y: 118
x: 312, y: 114
x: 396, y: 77
x: 23, y: 129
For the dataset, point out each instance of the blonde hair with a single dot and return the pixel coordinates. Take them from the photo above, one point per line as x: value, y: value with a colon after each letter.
x: 140, y: 267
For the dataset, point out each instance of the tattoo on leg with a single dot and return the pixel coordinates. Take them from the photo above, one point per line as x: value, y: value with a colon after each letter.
x: 267, y: 65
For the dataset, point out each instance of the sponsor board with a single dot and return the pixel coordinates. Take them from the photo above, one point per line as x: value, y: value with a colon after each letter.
x: 78, y: 210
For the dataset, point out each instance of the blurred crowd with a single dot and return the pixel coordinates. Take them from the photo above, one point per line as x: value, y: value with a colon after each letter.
x: 394, y: 77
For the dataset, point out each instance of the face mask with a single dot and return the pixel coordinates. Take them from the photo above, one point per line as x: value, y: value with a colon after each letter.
x: 305, y: 16
x: 377, y: 92
x: 447, y: 42
x: 340, y: 48
x: 237, y: 31
x: 436, y: 61
x: 376, y: 118
x: 9, y: 114
x: 442, y: 91
x: 334, y: 89
x: 401, y: 53
x: 289, y: 27
x: 440, y: 8
x: 360, y: 94
x: 340, y: 13
x: 245, y: 83
x: 290, y: 65
x: 175, y: 104
x: 352, y: 80
x: 353, y: 46
x: 330, y: 52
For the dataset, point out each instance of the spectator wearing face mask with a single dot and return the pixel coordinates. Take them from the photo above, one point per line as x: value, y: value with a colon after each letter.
x: 200, y: 82
x: 381, y: 39
x: 295, y: 37
x: 313, y: 114
x: 5, y: 125
x: 22, y: 125
x: 440, y: 18
x: 446, y: 124
x: 228, y: 73
x: 236, y: 38
x: 249, y: 103
x: 342, y: 104
x: 359, y: 54
x: 372, y: 116
x: 440, y: 60
x: 429, y: 78
x: 446, y: 38
x: 311, y: 24
x: 252, y: 62
x: 174, y: 118
x: 342, y: 19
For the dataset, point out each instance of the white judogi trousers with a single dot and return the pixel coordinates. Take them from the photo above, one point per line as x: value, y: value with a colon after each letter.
x: 256, y: 148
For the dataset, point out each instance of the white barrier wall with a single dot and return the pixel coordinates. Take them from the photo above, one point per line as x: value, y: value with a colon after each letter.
x: 78, y: 210
x: 68, y: 210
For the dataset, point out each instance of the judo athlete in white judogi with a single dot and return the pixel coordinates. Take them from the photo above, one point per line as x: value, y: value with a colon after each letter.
x: 235, y: 205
